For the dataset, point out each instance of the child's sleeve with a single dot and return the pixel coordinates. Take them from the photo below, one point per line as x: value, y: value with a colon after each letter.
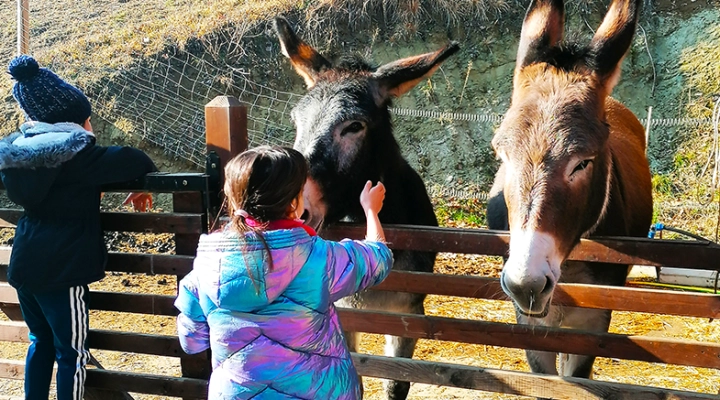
x: 113, y: 164
x: 192, y: 326
x: 357, y: 265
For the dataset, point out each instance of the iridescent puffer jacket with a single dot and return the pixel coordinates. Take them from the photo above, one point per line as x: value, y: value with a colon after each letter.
x: 276, y: 335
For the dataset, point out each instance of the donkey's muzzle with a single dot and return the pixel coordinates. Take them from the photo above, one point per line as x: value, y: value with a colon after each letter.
x: 531, y: 296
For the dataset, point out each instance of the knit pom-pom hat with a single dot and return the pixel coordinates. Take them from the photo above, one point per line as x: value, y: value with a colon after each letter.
x: 43, y: 96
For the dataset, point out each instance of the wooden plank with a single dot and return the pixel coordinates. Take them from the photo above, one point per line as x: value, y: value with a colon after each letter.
x: 162, y: 264
x: 636, y: 251
x: 5, y: 252
x: 641, y: 348
x: 153, y: 222
x: 100, y: 394
x: 181, y: 223
x: 159, y: 182
x: 443, y: 374
x: 575, y: 295
x: 152, y: 264
x: 511, y: 382
x: 159, y: 345
x: 13, y: 369
x: 12, y: 311
x: 133, y: 303
x: 650, y: 349
x: 113, y: 301
x: 14, y: 331
x: 186, y: 242
x: 124, y: 381
x: 196, y: 366
x: 8, y: 294
x: 147, y: 384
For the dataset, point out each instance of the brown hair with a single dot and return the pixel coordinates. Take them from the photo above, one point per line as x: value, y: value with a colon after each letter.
x: 263, y: 181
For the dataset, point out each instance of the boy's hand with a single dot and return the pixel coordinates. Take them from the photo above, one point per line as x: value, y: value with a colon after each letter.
x: 141, y: 201
x: 372, y: 197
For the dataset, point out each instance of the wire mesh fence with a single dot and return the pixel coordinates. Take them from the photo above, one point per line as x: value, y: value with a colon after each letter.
x: 151, y: 83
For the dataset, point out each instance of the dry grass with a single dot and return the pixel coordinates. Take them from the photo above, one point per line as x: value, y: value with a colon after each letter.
x: 406, y: 18
x: 89, y: 36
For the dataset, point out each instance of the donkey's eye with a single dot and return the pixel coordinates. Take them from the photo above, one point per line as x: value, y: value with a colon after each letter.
x: 355, y: 127
x: 583, y: 164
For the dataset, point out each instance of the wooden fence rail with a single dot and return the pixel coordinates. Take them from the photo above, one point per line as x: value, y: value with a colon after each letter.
x: 574, y: 295
x: 417, y: 371
x: 618, y: 250
x: 641, y: 348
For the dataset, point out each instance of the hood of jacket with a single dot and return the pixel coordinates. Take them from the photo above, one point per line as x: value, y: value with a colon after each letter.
x: 33, y: 155
x: 236, y: 272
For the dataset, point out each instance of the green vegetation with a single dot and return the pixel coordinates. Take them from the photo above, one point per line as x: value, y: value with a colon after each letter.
x: 690, y: 181
x: 460, y: 213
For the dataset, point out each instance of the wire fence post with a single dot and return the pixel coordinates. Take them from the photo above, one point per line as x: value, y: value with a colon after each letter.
x: 648, y: 124
x: 23, y: 26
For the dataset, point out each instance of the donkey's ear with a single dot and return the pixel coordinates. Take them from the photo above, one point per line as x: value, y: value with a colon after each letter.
x: 542, y: 29
x: 306, y: 60
x: 398, y: 77
x: 613, y: 39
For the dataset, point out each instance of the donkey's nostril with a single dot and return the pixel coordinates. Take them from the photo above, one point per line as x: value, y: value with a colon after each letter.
x: 305, y: 215
x: 548, y: 286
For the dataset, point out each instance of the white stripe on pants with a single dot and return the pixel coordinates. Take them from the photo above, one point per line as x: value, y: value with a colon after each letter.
x: 79, y: 335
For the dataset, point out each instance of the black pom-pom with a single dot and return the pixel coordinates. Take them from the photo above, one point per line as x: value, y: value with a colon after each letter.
x: 23, y: 68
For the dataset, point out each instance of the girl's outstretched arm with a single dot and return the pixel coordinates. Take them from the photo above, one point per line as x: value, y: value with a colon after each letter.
x: 357, y: 265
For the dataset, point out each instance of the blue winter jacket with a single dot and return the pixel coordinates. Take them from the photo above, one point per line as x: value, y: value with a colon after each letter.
x: 276, y: 335
x: 54, y: 171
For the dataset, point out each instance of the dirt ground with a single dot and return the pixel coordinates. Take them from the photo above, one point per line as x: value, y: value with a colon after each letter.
x: 611, y: 370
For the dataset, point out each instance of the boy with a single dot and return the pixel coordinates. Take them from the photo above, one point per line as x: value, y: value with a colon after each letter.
x: 54, y: 170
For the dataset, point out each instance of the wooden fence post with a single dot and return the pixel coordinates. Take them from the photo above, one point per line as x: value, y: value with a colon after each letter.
x: 226, y: 136
x: 226, y: 127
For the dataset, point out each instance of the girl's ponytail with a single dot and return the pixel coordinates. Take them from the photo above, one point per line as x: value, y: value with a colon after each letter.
x: 260, y: 185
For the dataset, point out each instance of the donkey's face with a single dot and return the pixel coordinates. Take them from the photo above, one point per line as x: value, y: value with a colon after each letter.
x: 343, y: 123
x: 552, y: 142
x: 337, y: 123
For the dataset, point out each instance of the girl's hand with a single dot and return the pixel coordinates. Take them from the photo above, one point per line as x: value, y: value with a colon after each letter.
x: 141, y: 201
x: 372, y: 197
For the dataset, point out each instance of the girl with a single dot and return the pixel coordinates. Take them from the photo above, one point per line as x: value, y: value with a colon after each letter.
x: 261, y: 292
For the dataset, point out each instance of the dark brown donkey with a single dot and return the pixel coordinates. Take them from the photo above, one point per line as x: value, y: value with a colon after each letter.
x: 345, y: 132
x: 573, y: 165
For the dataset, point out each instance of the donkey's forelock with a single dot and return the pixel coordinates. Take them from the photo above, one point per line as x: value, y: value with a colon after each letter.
x: 553, y: 116
x: 355, y: 62
x: 568, y: 55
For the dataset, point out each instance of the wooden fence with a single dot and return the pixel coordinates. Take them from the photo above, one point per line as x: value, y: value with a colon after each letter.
x: 195, y: 201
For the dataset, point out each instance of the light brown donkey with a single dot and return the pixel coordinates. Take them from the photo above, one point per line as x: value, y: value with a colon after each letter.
x: 573, y: 165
